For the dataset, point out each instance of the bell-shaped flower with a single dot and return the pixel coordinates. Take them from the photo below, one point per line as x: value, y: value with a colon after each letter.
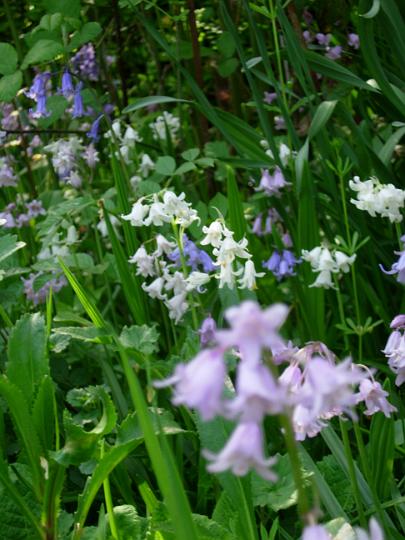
x: 144, y: 262
x: 207, y: 331
x: 376, y: 532
x: 316, y: 532
x: 155, y: 289
x: 243, y: 452
x: 138, y: 213
x: 248, y: 280
x: 199, y: 384
x: 375, y: 398
x: 213, y: 234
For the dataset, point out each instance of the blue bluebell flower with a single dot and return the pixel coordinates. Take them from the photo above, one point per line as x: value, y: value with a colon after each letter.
x: 78, y: 109
x: 282, y: 264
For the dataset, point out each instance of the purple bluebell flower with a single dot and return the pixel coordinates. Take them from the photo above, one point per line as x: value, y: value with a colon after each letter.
x: 38, y: 87
x: 9, y: 218
x: 375, y: 398
x: 39, y: 295
x: 90, y: 156
x: 399, y: 266
x: 279, y: 123
x: 9, y: 118
x: 67, y: 89
x: 78, y: 109
x: 7, y: 176
x: 85, y: 64
x: 395, y: 349
x: 200, y: 383
x: 307, y: 36
x: 207, y: 331
x: 282, y: 264
x: 323, y: 39
x: 40, y: 110
x: 334, y: 53
x: 35, y: 209
x: 269, y: 97
x: 316, y: 532
x: 242, y: 452
x: 353, y: 40
x: 272, y: 183
x: 193, y: 255
x: 22, y: 220
x: 398, y: 322
x: 257, y: 225
x: 93, y: 133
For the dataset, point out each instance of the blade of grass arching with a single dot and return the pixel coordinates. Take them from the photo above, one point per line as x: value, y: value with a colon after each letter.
x: 387, y: 150
x: 133, y: 293
x: 83, y: 296
x: 327, y: 496
x: 152, y: 100
x: 166, y: 474
x: 258, y: 98
x: 235, y: 209
x: 162, y: 460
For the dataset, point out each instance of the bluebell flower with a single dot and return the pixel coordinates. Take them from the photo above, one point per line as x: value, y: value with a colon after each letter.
x: 93, y: 133
x: 193, y: 256
x: 399, y: 266
x: 78, y: 109
x: 281, y: 264
x: 38, y: 87
x: 67, y: 89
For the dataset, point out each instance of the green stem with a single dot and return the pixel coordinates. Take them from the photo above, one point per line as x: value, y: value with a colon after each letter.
x: 303, y: 504
x: 109, y: 503
x: 341, y: 312
x: 352, y: 472
x: 277, y: 51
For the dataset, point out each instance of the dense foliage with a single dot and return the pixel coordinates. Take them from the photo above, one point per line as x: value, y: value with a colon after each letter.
x: 202, y: 261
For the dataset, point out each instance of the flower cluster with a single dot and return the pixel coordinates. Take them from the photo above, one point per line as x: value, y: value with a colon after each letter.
x: 282, y: 264
x: 85, y: 63
x: 325, y: 262
x: 395, y: 349
x: 227, y: 251
x: 311, y: 389
x: 7, y: 176
x: 164, y: 125
x: 14, y: 218
x: 126, y: 137
x: 160, y: 208
x: 171, y: 285
x: 376, y: 198
x: 37, y: 293
x: 272, y: 184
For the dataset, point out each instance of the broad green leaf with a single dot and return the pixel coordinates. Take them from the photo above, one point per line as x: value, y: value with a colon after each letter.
x: 8, y: 59
x: 70, y: 8
x: 143, y: 339
x: 128, y: 522
x: 191, y: 154
x: 152, y: 100
x: 165, y: 165
x: 43, y: 50
x: 81, y: 444
x: 27, y: 354
x: 51, y: 22
x: 322, y: 115
x: 228, y: 66
x: 57, y: 106
x: 9, y: 86
x: 87, y: 33
x: 226, y: 44
x: 162, y: 420
x: 8, y: 245
x: 43, y: 416
x: 184, y: 168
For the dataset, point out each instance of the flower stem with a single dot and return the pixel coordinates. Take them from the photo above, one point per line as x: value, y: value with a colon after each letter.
x: 108, y: 501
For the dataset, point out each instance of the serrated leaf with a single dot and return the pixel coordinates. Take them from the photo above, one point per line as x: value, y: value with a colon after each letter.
x: 128, y: 522
x: 27, y: 355
x: 87, y: 33
x: 9, y: 86
x: 43, y: 50
x: 143, y: 339
x: 8, y: 59
x: 165, y: 165
x: 90, y: 334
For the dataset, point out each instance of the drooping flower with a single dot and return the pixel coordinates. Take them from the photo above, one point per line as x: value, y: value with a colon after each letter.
x: 281, y: 264
x: 78, y: 108
x: 207, y: 331
x: 353, y: 40
x: 93, y: 133
x: 269, y: 97
x: 399, y: 266
x: 272, y: 184
x: 334, y: 53
x: 67, y: 89
x: 85, y: 64
x: 200, y: 383
x: 316, y: 532
x: 323, y: 39
x: 138, y: 213
x: 145, y: 263
x: 306, y: 34
x: 395, y: 349
x: 248, y: 280
x: 375, y: 398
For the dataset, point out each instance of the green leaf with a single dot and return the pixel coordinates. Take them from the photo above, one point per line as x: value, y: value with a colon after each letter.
x: 279, y: 495
x: 43, y: 413
x: 81, y: 444
x: 228, y: 66
x: 191, y: 154
x: 44, y: 50
x: 226, y: 44
x: 143, y: 339
x: 70, y: 8
x: 56, y: 105
x: 51, y: 22
x: 387, y: 150
x: 321, y: 116
x: 162, y: 420
x: 27, y: 354
x: 236, y: 217
x: 90, y: 334
x: 8, y: 59
x: 165, y: 165
x: 373, y: 11
x: 8, y: 245
x: 87, y: 33
x: 185, y: 168
x: 128, y: 522
x: 382, y: 449
x: 152, y: 100
x: 10, y: 85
